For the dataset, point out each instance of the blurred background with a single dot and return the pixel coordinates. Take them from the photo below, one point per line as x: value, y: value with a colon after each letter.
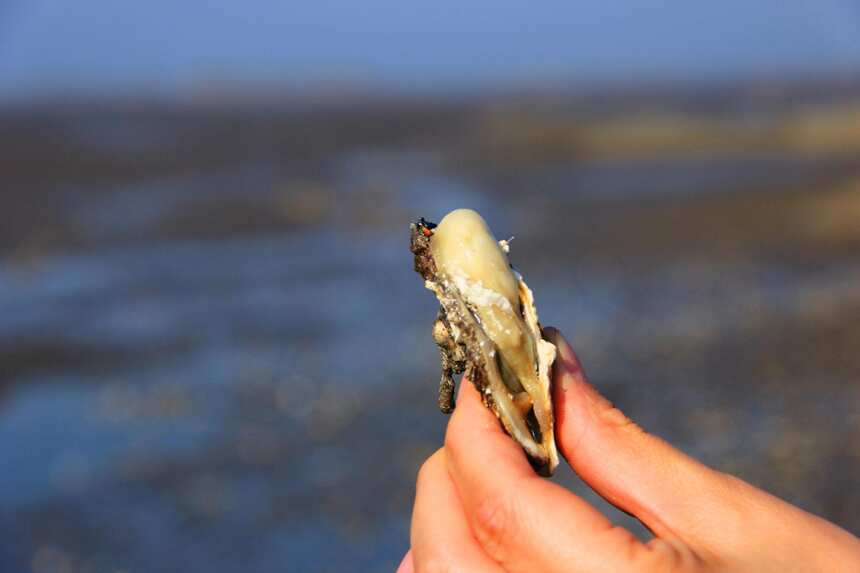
x: 214, y: 353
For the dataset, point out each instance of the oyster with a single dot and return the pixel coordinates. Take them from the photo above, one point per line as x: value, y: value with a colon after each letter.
x: 488, y: 327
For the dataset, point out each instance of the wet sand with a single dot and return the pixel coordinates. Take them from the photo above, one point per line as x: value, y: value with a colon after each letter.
x: 215, y: 353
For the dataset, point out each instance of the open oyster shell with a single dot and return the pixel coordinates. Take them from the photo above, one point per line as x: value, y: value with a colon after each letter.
x: 488, y: 327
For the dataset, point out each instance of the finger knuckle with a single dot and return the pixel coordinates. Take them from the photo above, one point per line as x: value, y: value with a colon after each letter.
x: 425, y: 472
x: 423, y: 475
x: 669, y: 556
x: 739, y: 503
x: 495, y: 522
x: 614, y: 417
x: 731, y: 485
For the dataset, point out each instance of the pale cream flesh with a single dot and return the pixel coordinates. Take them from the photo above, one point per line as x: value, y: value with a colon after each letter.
x: 467, y: 255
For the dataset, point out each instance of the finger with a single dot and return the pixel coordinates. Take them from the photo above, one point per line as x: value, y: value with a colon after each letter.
x: 441, y: 538
x: 671, y: 493
x: 522, y: 521
x: 407, y: 565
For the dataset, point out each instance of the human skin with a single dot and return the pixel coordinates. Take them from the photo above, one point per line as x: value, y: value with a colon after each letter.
x: 480, y: 507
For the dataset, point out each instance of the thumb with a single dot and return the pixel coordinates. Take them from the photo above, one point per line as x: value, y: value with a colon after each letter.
x: 671, y: 493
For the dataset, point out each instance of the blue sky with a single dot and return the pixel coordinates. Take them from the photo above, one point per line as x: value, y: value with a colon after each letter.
x: 173, y: 46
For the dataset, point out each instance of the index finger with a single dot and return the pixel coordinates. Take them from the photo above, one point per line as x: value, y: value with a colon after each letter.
x: 441, y: 539
x: 524, y: 522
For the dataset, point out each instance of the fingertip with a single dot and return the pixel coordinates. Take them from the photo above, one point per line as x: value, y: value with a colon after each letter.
x: 565, y: 356
x: 549, y: 331
x: 475, y: 441
x: 465, y: 384
x: 467, y: 390
x: 571, y: 389
x: 471, y: 407
x: 571, y: 393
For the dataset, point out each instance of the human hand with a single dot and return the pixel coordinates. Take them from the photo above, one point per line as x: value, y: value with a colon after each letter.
x: 480, y: 507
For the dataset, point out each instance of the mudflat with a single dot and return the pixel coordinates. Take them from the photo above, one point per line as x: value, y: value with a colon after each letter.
x: 214, y: 354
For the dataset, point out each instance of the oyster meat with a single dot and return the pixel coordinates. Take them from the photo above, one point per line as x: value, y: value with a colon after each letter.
x: 488, y: 327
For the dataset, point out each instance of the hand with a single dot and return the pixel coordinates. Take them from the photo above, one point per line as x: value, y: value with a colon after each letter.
x: 480, y: 507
